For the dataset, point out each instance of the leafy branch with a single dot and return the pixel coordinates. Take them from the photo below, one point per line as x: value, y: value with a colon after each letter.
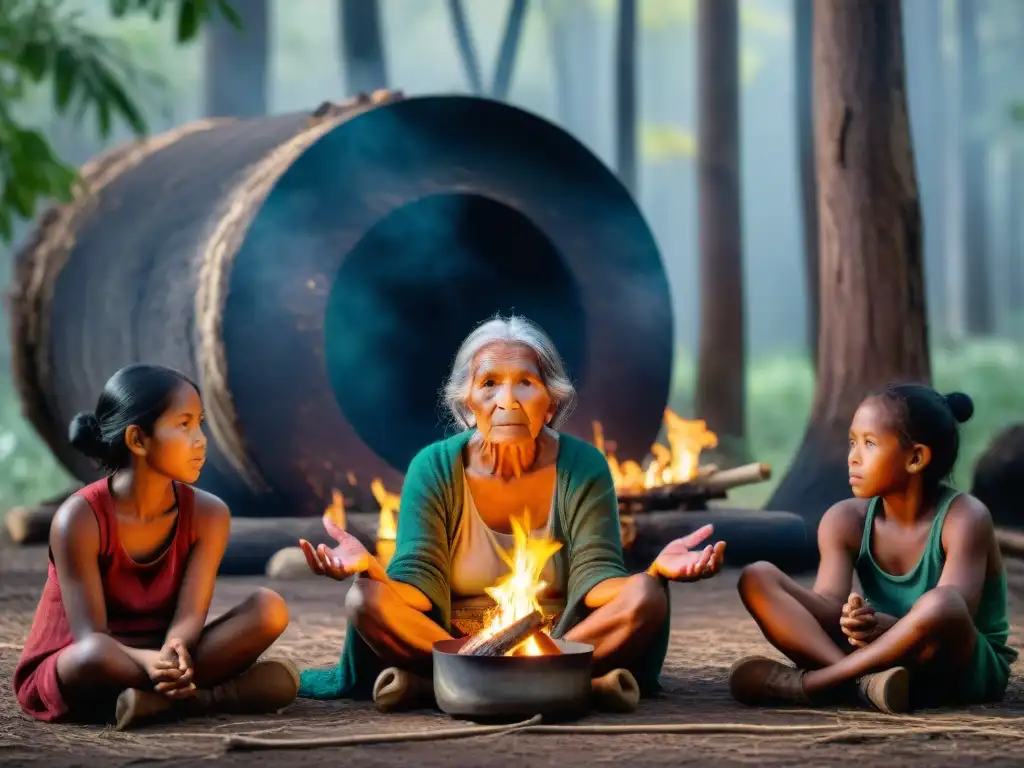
x: 42, y: 42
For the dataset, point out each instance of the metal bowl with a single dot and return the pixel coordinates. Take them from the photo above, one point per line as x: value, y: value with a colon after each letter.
x: 512, y: 687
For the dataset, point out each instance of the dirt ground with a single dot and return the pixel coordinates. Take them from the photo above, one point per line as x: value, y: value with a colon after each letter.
x: 710, y: 630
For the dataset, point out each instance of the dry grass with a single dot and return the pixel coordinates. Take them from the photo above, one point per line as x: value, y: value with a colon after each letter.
x: 710, y: 631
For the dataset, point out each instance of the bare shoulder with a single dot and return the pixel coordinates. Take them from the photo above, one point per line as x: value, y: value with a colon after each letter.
x: 75, y: 522
x: 843, y: 523
x: 968, y: 515
x: 209, y: 507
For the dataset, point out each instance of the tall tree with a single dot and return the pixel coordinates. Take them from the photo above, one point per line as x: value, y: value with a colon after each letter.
x: 873, y: 326
x: 236, y: 63
x: 625, y: 94
x: 362, y: 46
x: 721, y: 382
x: 927, y: 105
x: 980, y: 316
x: 803, y: 43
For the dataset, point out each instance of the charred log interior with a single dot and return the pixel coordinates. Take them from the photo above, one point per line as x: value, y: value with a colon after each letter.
x: 315, y: 276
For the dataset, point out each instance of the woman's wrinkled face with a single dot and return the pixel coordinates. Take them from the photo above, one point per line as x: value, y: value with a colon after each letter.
x: 507, y: 396
x: 177, y: 447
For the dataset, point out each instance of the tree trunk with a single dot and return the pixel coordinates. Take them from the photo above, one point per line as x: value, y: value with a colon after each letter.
x: 873, y: 326
x: 362, y: 46
x: 720, y: 389
x: 509, y: 51
x: 467, y: 50
x: 803, y: 38
x: 625, y: 95
x: 1015, y: 240
x: 926, y: 97
x: 980, y: 320
x: 236, y: 63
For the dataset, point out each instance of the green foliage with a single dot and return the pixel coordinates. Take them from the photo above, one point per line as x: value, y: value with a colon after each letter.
x: 44, y: 43
x: 192, y: 14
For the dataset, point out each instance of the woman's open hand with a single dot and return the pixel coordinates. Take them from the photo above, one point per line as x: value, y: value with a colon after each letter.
x: 339, y: 562
x: 680, y: 561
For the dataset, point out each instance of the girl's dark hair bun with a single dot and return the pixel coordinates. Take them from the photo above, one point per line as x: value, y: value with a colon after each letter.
x: 85, y: 436
x: 961, y: 405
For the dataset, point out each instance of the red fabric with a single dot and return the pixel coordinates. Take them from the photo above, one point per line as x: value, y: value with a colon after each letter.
x: 140, y: 601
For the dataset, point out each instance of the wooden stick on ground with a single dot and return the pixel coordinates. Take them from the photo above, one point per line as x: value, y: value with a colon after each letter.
x: 31, y: 525
x: 505, y: 639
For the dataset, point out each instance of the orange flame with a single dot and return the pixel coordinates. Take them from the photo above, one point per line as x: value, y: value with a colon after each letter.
x: 387, y: 528
x: 336, y: 509
x: 673, y: 465
x: 516, y: 595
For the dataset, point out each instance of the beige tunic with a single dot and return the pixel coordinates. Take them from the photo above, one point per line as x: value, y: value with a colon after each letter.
x: 476, y: 563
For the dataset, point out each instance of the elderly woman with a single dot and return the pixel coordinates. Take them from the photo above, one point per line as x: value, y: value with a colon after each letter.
x: 509, y: 391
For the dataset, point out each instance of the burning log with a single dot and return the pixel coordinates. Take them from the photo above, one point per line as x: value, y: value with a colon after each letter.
x: 505, y: 639
x: 693, y: 494
x: 547, y: 646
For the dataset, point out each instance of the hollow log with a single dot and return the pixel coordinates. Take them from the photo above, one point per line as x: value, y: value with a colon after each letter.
x: 505, y: 639
x: 292, y: 265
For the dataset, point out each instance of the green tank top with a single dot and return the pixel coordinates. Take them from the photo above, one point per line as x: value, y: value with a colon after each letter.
x: 895, y: 595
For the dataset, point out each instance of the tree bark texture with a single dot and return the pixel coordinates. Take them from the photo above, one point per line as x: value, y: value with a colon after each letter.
x: 980, y: 316
x: 873, y: 322
x: 236, y: 63
x: 362, y: 46
x: 625, y: 95
x: 803, y: 45
x: 720, y: 390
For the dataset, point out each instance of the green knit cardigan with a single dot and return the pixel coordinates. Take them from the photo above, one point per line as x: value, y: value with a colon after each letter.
x: 586, y: 522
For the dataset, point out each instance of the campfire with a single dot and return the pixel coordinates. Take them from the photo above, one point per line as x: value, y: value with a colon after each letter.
x: 673, y: 465
x: 672, y: 477
x: 516, y: 624
x: 387, y: 522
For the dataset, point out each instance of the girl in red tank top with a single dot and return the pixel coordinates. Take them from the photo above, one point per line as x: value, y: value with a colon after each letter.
x: 121, y: 626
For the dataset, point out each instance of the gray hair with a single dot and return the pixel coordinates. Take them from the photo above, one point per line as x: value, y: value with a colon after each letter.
x: 514, y: 329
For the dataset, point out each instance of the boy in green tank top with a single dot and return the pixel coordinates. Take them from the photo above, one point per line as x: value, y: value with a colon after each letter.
x: 931, y: 628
